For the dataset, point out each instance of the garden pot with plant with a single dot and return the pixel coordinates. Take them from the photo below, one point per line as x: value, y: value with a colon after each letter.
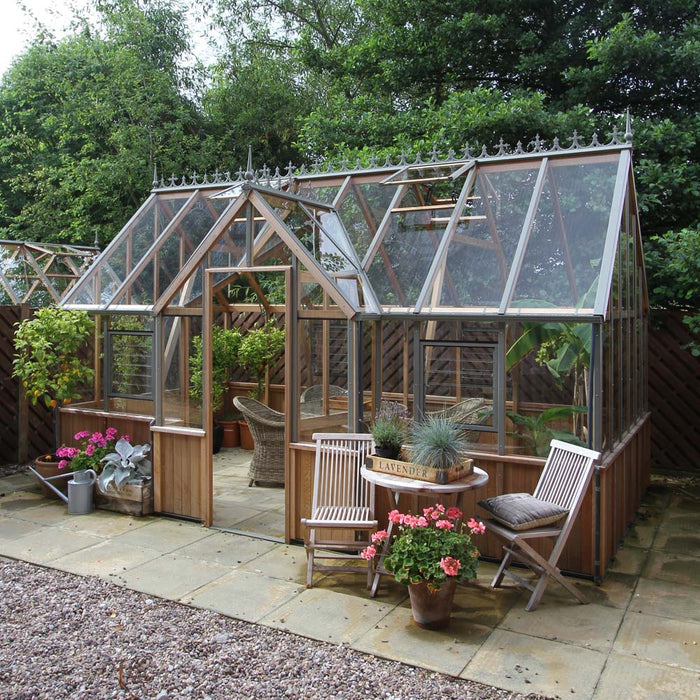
x: 224, y: 353
x: 125, y: 484
x: 259, y: 348
x: 429, y: 554
x: 390, y: 429
x: 49, y: 357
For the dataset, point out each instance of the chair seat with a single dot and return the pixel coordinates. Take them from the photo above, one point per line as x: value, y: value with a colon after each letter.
x: 341, y: 516
x: 508, y: 534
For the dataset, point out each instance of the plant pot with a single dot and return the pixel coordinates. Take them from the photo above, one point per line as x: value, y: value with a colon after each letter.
x: 432, y: 609
x: 48, y: 468
x: 132, y: 499
x: 387, y: 452
x: 217, y: 437
x: 246, y: 436
x: 232, y: 433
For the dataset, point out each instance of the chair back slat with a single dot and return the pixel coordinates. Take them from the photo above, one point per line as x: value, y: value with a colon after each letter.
x: 338, y: 485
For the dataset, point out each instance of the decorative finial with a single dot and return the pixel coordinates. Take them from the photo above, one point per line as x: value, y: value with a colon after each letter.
x: 249, y: 174
x: 155, y: 175
x: 628, y: 128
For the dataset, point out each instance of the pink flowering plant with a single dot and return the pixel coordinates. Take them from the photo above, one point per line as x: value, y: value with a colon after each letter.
x: 93, y: 447
x: 432, y: 547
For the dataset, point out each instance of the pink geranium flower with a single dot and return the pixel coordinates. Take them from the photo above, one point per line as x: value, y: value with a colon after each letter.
x: 444, y: 525
x: 379, y: 536
x: 476, y: 526
x: 368, y: 553
x: 450, y: 565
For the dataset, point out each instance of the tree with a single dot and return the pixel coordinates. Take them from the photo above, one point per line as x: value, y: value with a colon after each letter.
x: 84, y: 120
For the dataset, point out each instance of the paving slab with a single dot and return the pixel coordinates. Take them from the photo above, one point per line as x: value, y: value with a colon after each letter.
x: 676, y: 568
x: 667, y: 599
x: 104, y: 523
x: 269, y: 524
x: 244, y: 595
x: 227, y: 549
x: 661, y: 640
x: 525, y: 664
x: 628, y: 560
x: 164, y: 535
x: 286, y: 562
x: 626, y: 677
x: 106, y: 559
x: 328, y: 616
x: 45, y: 545
x: 589, y: 626
x: 12, y: 528
x: 685, y: 542
x: 43, y: 512
x: 399, y: 638
x: 171, y: 576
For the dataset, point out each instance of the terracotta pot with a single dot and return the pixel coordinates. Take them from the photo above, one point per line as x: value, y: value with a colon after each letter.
x: 431, y: 609
x: 48, y: 468
x: 232, y: 433
x: 246, y: 437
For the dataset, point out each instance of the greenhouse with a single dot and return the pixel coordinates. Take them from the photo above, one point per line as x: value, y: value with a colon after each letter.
x: 512, y: 280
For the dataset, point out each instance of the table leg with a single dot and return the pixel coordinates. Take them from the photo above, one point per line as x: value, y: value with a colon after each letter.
x: 380, y: 570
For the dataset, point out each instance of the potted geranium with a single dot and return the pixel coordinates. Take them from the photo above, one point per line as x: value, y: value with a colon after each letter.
x: 430, y: 554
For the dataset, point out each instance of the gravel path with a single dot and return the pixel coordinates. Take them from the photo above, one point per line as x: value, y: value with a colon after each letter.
x: 67, y: 636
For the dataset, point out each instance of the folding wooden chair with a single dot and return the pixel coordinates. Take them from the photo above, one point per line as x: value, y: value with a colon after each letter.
x: 342, y: 510
x: 561, y: 487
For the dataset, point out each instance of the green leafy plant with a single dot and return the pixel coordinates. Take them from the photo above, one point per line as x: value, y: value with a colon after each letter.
x: 128, y: 463
x: 47, y: 355
x: 431, y: 547
x: 391, y: 425
x: 437, y: 442
x: 224, y: 354
x: 538, y: 431
x: 259, y: 347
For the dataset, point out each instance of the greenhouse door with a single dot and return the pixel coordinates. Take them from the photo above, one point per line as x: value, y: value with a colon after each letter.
x: 239, y: 296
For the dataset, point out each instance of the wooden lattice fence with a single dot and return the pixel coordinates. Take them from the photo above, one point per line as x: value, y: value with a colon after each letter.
x: 26, y: 431
x: 674, y: 398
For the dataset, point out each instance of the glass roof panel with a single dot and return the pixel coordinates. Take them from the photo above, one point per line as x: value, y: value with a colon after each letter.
x: 399, y: 268
x: 427, y: 172
x: 563, y: 257
x: 483, y: 245
x: 103, y: 280
x: 362, y: 212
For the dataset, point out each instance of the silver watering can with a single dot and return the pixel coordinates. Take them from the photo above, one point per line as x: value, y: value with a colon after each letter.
x: 80, y: 492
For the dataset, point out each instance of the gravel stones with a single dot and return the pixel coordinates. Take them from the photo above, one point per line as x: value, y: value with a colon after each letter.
x: 67, y: 636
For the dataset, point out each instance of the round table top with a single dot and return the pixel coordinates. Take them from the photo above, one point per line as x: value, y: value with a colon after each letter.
x: 402, y: 484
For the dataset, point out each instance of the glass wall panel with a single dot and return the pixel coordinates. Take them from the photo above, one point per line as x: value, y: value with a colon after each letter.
x: 565, y: 248
x: 322, y: 377
x: 131, y: 356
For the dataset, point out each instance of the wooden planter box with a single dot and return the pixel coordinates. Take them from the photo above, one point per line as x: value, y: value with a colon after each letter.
x: 133, y: 499
x: 418, y: 471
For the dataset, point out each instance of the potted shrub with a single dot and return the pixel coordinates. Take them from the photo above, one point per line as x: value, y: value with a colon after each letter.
x: 125, y: 481
x: 389, y: 429
x: 538, y: 433
x: 439, y: 444
x: 430, y: 554
x: 225, y: 347
x: 259, y: 347
x: 48, y: 362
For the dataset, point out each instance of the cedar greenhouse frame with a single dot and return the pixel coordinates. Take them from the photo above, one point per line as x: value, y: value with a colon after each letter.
x: 412, y: 281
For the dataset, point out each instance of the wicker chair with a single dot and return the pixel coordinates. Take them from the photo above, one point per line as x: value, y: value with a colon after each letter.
x: 311, y: 399
x: 471, y: 411
x: 267, y: 429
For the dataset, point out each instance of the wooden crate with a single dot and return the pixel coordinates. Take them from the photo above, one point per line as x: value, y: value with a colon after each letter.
x: 421, y: 472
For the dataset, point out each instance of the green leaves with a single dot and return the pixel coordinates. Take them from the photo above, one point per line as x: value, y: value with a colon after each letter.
x: 48, y: 355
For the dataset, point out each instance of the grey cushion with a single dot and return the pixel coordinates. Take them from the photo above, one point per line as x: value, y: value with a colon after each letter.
x: 522, y: 511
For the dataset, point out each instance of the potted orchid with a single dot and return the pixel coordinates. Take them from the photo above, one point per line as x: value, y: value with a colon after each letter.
x: 430, y: 554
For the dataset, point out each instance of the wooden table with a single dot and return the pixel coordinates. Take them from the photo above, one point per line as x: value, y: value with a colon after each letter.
x: 396, y: 485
